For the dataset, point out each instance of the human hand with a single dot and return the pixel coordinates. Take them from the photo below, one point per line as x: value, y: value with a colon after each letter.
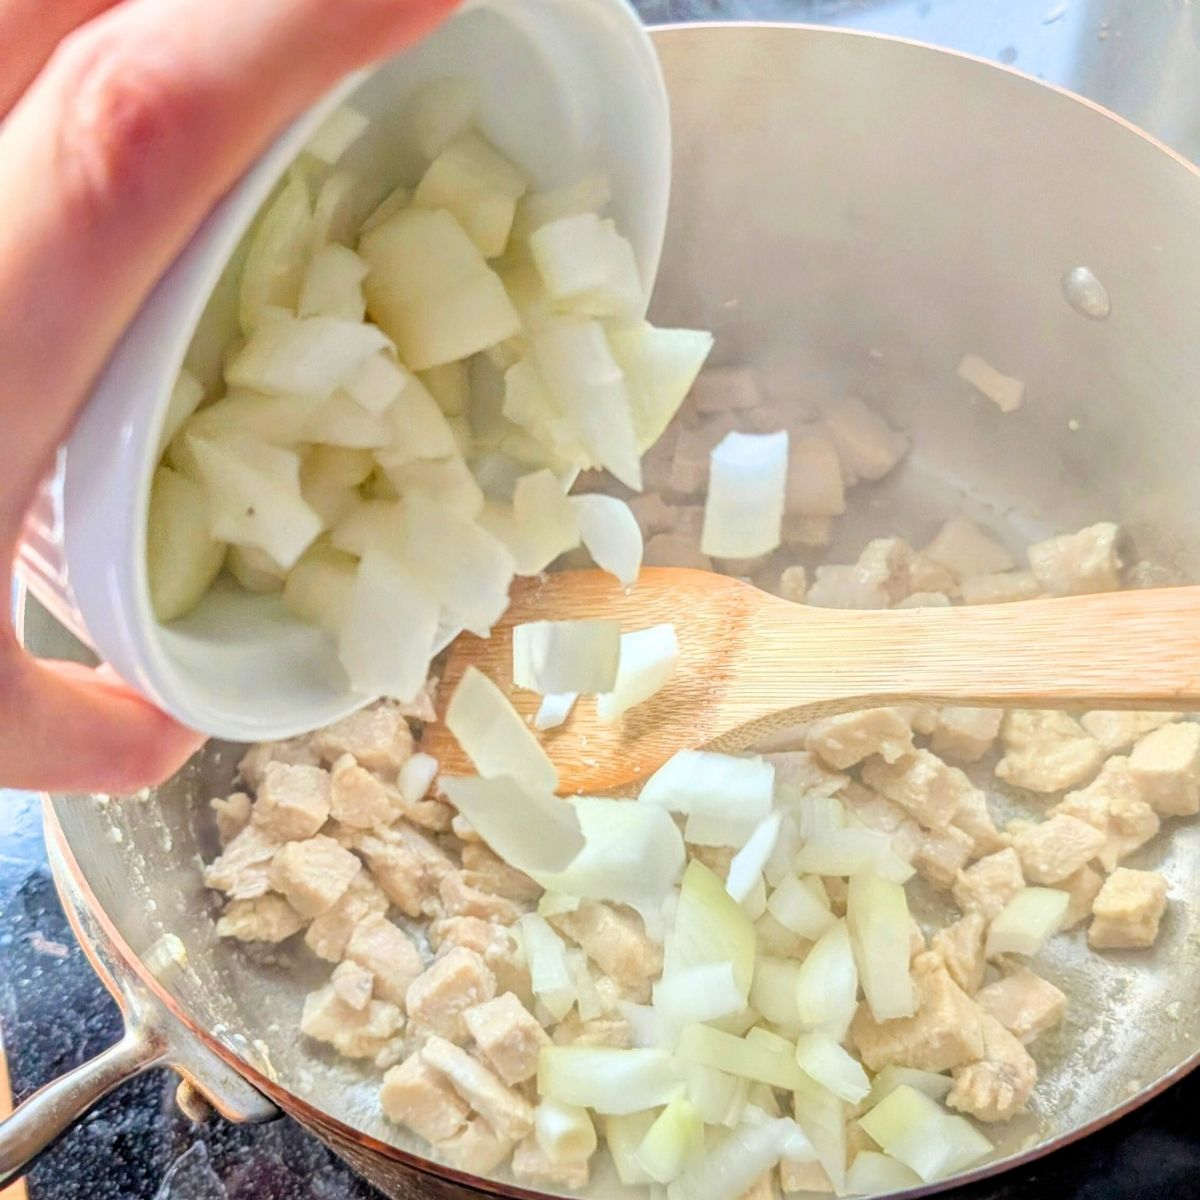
x: 123, y: 122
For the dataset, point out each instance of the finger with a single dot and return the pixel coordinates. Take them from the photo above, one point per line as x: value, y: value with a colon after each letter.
x: 141, y: 120
x: 29, y: 31
x: 68, y: 728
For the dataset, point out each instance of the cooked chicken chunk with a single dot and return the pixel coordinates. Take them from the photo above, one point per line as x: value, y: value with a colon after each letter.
x: 293, y: 801
x: 1004, y: 587
x: 599, y: 1031
x: 921, y: 783
x: 1127, y: 910
x: 815, y: 487
x: 1046, y: 751
x: 353, y: 1033
x: 416, y: 1095
x: 964, y: 549
x: 440, y: 995
x: 461, y: 898
x: 531, y: 1164
x: 1076, y: 564
x: 313, y: 874
x: 996, y: 1087
x: 232, y: 815
x: 476, y: 1150
x: 867, y: 446
x: 388, y: 953
x: 793, y: 584
x: 1054, y: 849
x: 357, y: 798
x: 965, y: 734
x: 268, y: 918
x: 353, y: 984
x: 987, y: 886
x: 508, y: 1037
x: 1117, y: 731
x: 1165, y: 766
x: 505, y: 1110
x: 408, y: 866
x: 376, y: 737
x: 845, y: 740
x: 243, y: 870
x: 1024, y: 1003
x: 327, y: 936
x: 843, y: 587
x: 1082, y: 888
x: 1112, y: 803
x: 615, y: 940
x: 942, y: 853
x: 484, y: 870
x: 961, y: 948
x: 296, y: 751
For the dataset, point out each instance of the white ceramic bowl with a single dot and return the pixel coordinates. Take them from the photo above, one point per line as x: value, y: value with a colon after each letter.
x: 567, y: 86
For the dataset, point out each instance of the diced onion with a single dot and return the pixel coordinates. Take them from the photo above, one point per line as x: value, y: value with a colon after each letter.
x: 376, y: 383
x: 827, y: 987
x: 542, y: 524
x: 701, y: 992
x: 817, y: 815
x: 746, y: 1057
x: 779, y: 864
x: 610, y: 535
x: 754, y: 903
x: 494, y: 737
x: 795, y: 907
x: 336, y: 134
x: 552, y: 904
x: 891, y: 1077
x: 440, y: 111
x: 587, y: 996
x: 648, y: 660
x: 676, y: 1136
x: 186, y: 396
x: 647, y: 1028
x: 915, y: 1129
x: 872, y: 1174
x: 846, y: 852
x: 699, y: 781
x: 623, y: 1135
x: 182, y: 556
x: 554, y: 710
x: 320, y: 586
x: 277, y: 255
x: 1027, y: 922
x: 333, y: 285
x: 549, y: 970
x: 745, y: 871
x: 743, y: 515
x: 826, y: 1063
x: 566, y: 656
x: 706, y: 829
x: 531, y: 829
x: 878, y: 920
x: 416, y: 777
x: 773, y: 992
x: 709, y: 927
x: 719, y: 1098
x: 607, y: 1080
x: 730, y: 1167
x: 564, y: 1132
x: 822, y: 1116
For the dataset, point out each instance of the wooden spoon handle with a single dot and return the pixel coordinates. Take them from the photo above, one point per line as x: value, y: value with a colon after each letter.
x: 1136, y: 649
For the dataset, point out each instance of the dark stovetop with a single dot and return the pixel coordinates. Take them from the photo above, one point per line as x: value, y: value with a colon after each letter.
x: 136, y: 1145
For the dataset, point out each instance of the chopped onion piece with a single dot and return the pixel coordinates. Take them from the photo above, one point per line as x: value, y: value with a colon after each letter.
x: 773, y: 992
x: 878, y: 920
x: 564, y: 1132
x: 494, y: 737
x: 342, y: 201
x: 554, y: 710
x: 699, y: 781
x: 754, y: 904
x: 587, y: 996
x: 588, y: 268
x: 416, y: 777
x: 588, y: 194
x: 743, y: 515
x: 277, y: 255
x: 704, y: 829
x: 846, y: 852
x: 376, y: 384
x: 374, y: 524
x: 186, y: 396
x: 541, y: 526
x: 421, y: 428
x: 386, y: 638
x: 549, y: 970
x: 440, y: 111
x: 552, y: 904
x: 826, y: 1063
x: 623, y: 1135
x: 182, y: 556
x: 446, y: 481
x: 827, y: 987
x: 745, y: 871
x: 605, y: 1079
x: 719, y: 1098
x: 817, y: 815
x: 779, y: 864
x: 916, y: 1130
x: 822, y: 1116
x: 648, y: 660
x: 647, y: 1028
x: 749, y: 1057
x: 610, y: 535
x: 676, y: 1136
x: 529, y: 828
x: 795, y: 907
x: 702, y: 992
x: 319, y: 587
x: 566, y: 656
x: 733, y: 1165
x: 631, y: 855
x: 873, y: 1174
x: 341, y: 421
x: 333, y: 285
x: 1027, y: 922
x: 891, y: 1077
x: 336, y: 134
x: 709, y: 927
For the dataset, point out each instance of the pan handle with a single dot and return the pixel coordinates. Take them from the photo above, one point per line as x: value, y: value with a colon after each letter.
x: 42, y: 1119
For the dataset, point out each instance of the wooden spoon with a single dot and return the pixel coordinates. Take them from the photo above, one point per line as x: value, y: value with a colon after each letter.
x: 751, y: 664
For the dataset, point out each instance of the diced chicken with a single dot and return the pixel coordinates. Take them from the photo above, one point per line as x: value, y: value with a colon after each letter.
x: 924, y: 600
x: 941, y: 854
x: 1077, y: 564
x: 388, y: 953
x: 652, y: 513
x: 1165, y: 766
x: 886, y: 563
x: 293, y: 801
x: 297, y: 751
x: 689, y: 463
x: 327, y: 936
x: 352, y: 984
x: 1052, y: 850
x: 945, y: 1032
x: 615, y: 940
x: 508, y: 1036
x: 357, y: 798
x: 725, y: 389
x: 1117, y: 731
x: 476, y: 1150
x: 921, y: 717
x: 232, y: 815
x: 313, y: 875
x: 961, y: 948
x: 965, y: 734
x: 1127, y: 910
x: 1046, y: 751
x: 1112, y: 803
x: 815, y: 487
x: 408, y: 866
x: 268, y: 918
x: 813, y: 532
x: 996, y: 1087
x: 417, y: 1096
x: 803, y: 1176
x: 987, y: 886
x: 715, y: 858
x: 433, y: 814
x: 494, y: 943
x: 1004, y: 587
x: 423, y: 706
x: 1081, y: 888
x: 505, y: 1110
x: 974, y: 818
x: 1024, y: 1003
x: 848, y: 738
x: 460, y: 898
x: 841, y: 587
x: 611, y: 1031
x: 878, y: 813
x: 353, y: 1033
x: 793, y: 584
x: 531, y: 1164
x: 867, y: 446
x: 487, y: 871
x: 964, y: 549
x: 442, y: 993
x: 802, y: 773
x: 675, y: 550
x: 376, y: 737
x: 243, y: 871
x: 929, y: 789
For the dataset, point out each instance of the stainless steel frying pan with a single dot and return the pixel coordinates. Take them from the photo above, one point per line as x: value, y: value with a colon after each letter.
x: 850, y: 213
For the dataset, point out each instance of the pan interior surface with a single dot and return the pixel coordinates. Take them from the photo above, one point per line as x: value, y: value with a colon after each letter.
x: 852, y: 215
